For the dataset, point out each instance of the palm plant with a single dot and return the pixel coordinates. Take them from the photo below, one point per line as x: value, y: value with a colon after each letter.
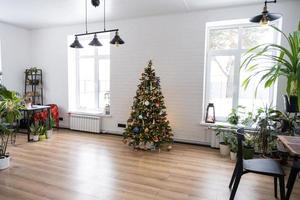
x: 270, y: 61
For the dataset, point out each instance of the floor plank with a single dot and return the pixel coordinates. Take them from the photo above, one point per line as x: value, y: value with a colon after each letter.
x: 82, y: 166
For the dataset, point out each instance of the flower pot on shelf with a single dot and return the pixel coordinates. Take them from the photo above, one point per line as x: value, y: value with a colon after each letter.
x: 49, y: 133
x: 248, y: 153
x: 35, y: 138
x: 232, y: 155
x: 4, y: 162
x: 224, y: 149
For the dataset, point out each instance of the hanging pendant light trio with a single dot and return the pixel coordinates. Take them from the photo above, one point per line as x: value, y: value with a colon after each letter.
x: 265, y: 17
x: 95, y: 42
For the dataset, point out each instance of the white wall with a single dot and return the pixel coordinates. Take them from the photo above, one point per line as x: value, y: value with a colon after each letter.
x: 176, y: 45
x: 15, y: 55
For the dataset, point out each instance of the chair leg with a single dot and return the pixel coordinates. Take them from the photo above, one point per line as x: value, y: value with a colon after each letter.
x: 275, y: 187
x: 235, y: 186
x: 233, y: 177
x: 282, y: 188
x: 290, y: 185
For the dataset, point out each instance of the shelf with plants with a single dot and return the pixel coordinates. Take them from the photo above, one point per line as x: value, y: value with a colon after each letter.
x: 33, y: 86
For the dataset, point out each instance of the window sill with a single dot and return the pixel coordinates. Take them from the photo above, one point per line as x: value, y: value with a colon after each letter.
x: 226, y: 125
x: 89, y: 113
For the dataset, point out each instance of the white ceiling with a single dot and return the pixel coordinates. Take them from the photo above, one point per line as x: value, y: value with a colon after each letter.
x: 34, y: 14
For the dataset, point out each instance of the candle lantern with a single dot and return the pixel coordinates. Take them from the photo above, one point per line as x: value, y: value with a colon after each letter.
x: 210, y: 113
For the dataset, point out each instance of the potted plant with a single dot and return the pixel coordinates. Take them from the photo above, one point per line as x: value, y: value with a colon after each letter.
x: 282, y: 62
x: 50, y: 131
x: 10, y: 106
x: 34, y: 130
x: 224, y: 143
x: 42, y: 132
x: 233, y: 145
x: 248, y: 148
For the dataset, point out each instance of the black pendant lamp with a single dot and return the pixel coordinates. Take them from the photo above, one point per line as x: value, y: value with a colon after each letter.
x: 117, y: 40
x: 76, y: 44
x: 95, y: 42
x: 265, y: 17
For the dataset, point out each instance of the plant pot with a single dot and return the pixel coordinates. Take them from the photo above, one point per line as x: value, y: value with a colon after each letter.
x: 248, y: 153
x: 35, y: 138
x: 42, y: 137
x: 232, y: 155
x: 224, y: 149
x: 49, y: 133
x: 4, y: 162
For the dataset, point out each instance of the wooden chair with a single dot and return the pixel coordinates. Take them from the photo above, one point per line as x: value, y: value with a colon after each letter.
x: 292, y: 178
x: 266, y: 167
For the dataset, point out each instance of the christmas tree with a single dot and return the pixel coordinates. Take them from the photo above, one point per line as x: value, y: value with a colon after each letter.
x: 147, y: 126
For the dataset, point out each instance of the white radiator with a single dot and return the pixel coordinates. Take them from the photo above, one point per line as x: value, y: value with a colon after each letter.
x: 85, y: 123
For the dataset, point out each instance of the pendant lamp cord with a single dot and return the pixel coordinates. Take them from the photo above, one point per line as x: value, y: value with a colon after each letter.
x: 104, y: 17
x: 86, y: 31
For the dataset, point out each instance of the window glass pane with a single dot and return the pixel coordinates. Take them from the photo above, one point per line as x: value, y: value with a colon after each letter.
x: 86, y: 83
x: 223, y: 39
x: 105, y: 49
x: 253, y: 36
x: 104, y: 82
x: 221, y: 84
x: 247, y: 98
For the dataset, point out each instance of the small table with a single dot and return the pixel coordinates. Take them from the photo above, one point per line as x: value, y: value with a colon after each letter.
x: 292, y: 143
x: 32, y: 110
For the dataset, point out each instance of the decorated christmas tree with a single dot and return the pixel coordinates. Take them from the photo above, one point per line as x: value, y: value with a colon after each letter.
x: 147, y: 126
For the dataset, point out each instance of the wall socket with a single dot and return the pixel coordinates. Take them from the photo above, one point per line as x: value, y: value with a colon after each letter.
x: 61, y: 119
x: 121, y: 125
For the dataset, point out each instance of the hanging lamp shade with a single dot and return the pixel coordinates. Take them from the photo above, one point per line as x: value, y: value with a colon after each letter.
x: 117, y: 40
x: 95, y: 42
x: 265, y: 17
x: 76, y: 44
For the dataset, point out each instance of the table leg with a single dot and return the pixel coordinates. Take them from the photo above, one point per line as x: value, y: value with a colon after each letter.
x: 28, y: 126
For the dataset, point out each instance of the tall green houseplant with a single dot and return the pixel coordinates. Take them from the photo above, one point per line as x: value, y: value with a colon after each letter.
x: 282, y: 61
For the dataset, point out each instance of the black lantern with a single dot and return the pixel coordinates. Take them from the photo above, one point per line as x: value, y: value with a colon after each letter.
x: 210, y: 113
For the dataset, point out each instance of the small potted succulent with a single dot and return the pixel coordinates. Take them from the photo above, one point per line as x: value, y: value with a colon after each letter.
x: 248, y: 149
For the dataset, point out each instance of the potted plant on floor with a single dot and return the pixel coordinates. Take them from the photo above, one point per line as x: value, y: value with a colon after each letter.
x: 42, y: 132
x: 248, y: 148
x: 10, y: 106
x: 224, y: 143
x: 233, y: 145
x: 50, y: 131
x: 34, y: 130
x: 283, y: 62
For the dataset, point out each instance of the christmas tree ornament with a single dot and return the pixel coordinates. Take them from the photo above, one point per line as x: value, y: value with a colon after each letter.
x: 140, y: 116
x: 147, y: 103
x: 136, y: 130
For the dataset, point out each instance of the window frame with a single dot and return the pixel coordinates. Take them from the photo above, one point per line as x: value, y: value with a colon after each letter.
x: 237, y: 53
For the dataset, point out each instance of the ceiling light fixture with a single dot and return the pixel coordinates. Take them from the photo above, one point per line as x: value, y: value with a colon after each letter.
x: 95, y: 42
x: 265, y: 17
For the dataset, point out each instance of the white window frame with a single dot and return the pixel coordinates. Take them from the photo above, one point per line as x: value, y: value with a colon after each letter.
x: 97, y: 57
x: 237, y: 53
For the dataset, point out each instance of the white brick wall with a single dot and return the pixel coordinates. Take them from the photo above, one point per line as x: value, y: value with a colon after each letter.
x: 176, y: 45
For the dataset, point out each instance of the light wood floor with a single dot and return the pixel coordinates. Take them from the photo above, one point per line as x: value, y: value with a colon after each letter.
x: 81, y: 166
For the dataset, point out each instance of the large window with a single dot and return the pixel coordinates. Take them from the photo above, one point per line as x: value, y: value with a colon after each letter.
x: 89, y: 76
x: 226, y: 44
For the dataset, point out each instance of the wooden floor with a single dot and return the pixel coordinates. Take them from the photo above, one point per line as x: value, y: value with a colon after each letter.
x: 81, y: 166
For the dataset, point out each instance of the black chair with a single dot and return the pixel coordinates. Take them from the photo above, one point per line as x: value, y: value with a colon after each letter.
x: 292, y: 178
x: 266, y: 167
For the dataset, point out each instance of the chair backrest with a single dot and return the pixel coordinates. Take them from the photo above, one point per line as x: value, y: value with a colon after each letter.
x: 240, y: 138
